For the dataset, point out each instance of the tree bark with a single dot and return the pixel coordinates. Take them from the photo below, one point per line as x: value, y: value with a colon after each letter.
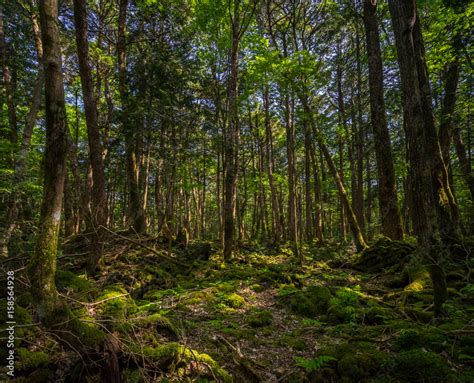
x: 43, y: 261
x: 388, y: 204
x: 99, y: 198
x: 232, y: 139
x: 425, y: 198
x: 447, y: 209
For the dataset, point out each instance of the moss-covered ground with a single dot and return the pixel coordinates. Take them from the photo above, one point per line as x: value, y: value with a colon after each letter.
x: 342, y: 317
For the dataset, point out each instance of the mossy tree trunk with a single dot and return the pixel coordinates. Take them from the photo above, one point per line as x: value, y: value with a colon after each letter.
x: 425, y: 194
x: 43, y: 261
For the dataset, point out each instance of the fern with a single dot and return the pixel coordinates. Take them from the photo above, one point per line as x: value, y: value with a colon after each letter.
x: 313, y: 364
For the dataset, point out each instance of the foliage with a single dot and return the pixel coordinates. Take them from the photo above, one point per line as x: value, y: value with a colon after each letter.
x: 314, y: 364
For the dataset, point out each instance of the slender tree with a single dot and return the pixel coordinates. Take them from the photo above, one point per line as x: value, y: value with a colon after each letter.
x: 98, y: 218
x: 136, y: 215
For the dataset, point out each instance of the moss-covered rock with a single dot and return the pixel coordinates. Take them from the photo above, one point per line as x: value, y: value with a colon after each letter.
x: 361, y: 364
x: 382, y: 254
x: 66, y: 279
x: 114, y: 302
x: 375, y: 315
x: 260, y: 318
x: 356, y: 362
x: 310, y: 302
x: 29, y: 360
x: 419, y: 365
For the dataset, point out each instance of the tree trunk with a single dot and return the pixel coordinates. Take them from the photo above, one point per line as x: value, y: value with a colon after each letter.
x: 232, y: 139
x: 447, y: 209
x: 420, y: 146
x: 43, y: 261
x: 307, y: 184
x: 276, y: 223
x: 388, y: 204
x: 353, y: 224
x: 99, y: 198
x: 136, y: 215
x: 290, y: 151
x: 464, y: 162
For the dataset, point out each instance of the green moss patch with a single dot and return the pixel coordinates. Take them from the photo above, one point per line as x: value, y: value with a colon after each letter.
x: 260, y: 318
x: 419, y: 365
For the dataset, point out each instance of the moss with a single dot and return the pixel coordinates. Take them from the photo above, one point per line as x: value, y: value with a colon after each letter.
x: 66, y: 279
x: 260, y: 318
x: 361, y: 364
x: 132, y: 376
x: 115, y: 303
x: 384, y: 253
x: 240, y: 333
x: 337, y: 314
x: 21, y: 316
x: 418, y: 365
x: 89, y: 334
x: 28, y: 360
x: 257, y: 288
x: 320, y: 295
x: 419, y: 279
x: 295, y: 343
x: 197, y: 297
x: 170, y: 355
x: 375, y: 315
x: 309, y: 303
x: 419, y: 315
x: 407, y: 339
x: 234, y: 300
x: 356, y: 361
x: 300, y: 304
x: 342, y: 307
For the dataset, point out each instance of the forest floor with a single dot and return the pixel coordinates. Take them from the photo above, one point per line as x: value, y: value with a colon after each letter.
x: 341, y: 317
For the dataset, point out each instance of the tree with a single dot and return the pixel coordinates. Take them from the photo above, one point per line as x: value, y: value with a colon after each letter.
x: 22, y: 154
x: 423, y: 150
x: 136, y: 214
x: 389, y: 212
x: 43, y: 261
x: 239, y: 23
x: 98, y: 218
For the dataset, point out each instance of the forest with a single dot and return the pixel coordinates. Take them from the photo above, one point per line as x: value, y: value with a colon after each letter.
x: 236, y: 191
